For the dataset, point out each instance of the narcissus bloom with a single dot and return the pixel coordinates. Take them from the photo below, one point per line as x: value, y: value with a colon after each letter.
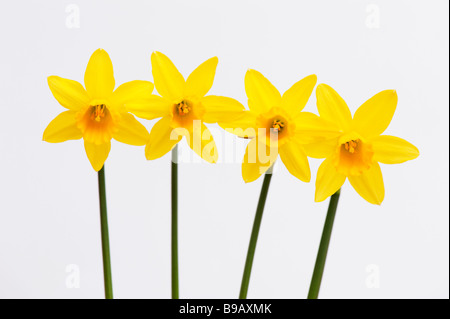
x: 276, y: 126
x: 98, y: 113
x: 359, y: 146
x: 184, y: 108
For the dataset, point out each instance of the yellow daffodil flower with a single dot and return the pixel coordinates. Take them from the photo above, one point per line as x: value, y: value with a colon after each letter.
x: 184, y: 108
x: 277, y: 126
x: 358, y: 148
x: 98, y: 113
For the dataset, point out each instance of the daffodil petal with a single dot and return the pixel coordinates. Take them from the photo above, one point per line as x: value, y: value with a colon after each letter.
x: 393, y: 150
x: 137, y: 98
x: 99, y: 75
x: 258, y: 159
x: 310, y: 128
x: 150, y: 108
x: 262, y: 95
x: 295, y: 160
x: 168, y: 80
x: 130, y: 131
x: 294, y: 100
x: 322, y: 149
x: 373, y: 117
x: 201, y: 142
x: 332, y: 107
x: 62, y: 128
x: 201, y: 79
x: 369, y: 185
x: 328, y: 180
x: 97, y: 154
x: 132, y: 91
x: 162, y: 139
x: 68, y: 93
x: 243, y: 125
x: 221, y: 108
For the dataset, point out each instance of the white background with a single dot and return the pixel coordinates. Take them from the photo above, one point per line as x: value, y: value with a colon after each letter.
x: 49, y: 215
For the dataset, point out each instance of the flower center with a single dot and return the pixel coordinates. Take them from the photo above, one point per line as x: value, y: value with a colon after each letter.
x: 274, y: 127
x: 98, y: 112
x: 278, y: 125
x: 185, y: 112
x: 97, y: 122
x: 353, y: 157
x: 350, y: 146
x: 183, y: 108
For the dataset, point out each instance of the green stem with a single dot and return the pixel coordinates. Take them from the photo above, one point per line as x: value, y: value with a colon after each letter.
x: 105, y: 235
x: 323, y: 248
x: 175, y: 285
x: 255, y: 233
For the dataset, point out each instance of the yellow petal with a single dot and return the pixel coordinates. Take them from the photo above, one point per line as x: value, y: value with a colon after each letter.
x: 221, y: 108
x: 168, y: 80
x: 258, y: 159
x: 62, y: 128
x: 310, y: 128
x: 201, y: 79
x: 138, y: 99
x: 97, y: 154
x: 393, y: 150
x: 243, y: 125
x: 130, y: 131
x: 162, y: 139
x: 369, y: 185
x: 295, y: 99
x: 328, y: 180
x: 132, y: 92
x: 295, y: 160
x: 150, y: 108
x: 99, y: 75
x: 201, y: 142
x: 322, y: 149
x: 68, y: 93
x: 262, y: 95
x: 332, y: 107
x: 373, y: 117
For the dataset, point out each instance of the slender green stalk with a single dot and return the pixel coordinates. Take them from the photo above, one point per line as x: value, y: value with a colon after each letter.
x: 105, y: 235
x: 175, y: 285
x: 255, y: 233
x: 323, y: 248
